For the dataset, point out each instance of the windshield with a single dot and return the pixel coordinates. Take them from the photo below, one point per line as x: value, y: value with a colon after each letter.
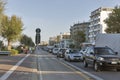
x: 74, y: 51
x: 104, y: 51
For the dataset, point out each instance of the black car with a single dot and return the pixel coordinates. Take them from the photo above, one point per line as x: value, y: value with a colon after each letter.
x: 102, y: 57
x: 61, y: 53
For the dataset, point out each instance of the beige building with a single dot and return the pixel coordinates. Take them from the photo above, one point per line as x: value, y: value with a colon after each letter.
x: 80, y: 27
x: 52, y: 41
x: 57, y: 39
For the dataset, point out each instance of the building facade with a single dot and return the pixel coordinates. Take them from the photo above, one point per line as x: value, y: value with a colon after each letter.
x: 62, y: 40
x: 52, y: 41
x: 80, y: 27
x: 65, y: 40
x: 97, y: 24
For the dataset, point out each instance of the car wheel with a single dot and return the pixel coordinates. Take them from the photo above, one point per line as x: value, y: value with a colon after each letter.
x: 69, y: 59
x: 118, y: 69
x: 85, y: 63
x: 64, y: 58
x: 96, y: 67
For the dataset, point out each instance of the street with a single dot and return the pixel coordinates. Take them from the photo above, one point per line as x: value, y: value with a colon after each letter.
x: 52, y: 68
x: 44, y: 66
x: 19, y: 67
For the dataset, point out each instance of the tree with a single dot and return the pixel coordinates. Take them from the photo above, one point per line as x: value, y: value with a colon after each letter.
x: 27, y: 41
x: 113, y: 21
x: 1, y: 44
x: 2, y: 8
x: 79, y: 37
x: 11, y: 29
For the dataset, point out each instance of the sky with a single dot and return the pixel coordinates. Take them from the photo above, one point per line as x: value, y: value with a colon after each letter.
x: 53, y: 16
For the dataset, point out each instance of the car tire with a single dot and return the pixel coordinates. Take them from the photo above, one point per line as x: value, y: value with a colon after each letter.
x: 96, y: 67
x: 85, y: 63
x: 69, y: 59
x: 64, y: 58
x: 118, y: 69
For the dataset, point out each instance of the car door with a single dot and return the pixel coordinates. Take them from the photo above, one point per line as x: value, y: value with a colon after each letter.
x: 90, y: 55
x: 66, y: 54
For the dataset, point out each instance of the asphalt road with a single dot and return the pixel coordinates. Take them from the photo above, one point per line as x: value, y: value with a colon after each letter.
x: 51, y: 68
x: 44, y: 66
x: 18, y: 67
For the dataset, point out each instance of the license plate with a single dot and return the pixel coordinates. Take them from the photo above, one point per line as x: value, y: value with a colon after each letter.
x: 114, y: 62
x: 76, y: 58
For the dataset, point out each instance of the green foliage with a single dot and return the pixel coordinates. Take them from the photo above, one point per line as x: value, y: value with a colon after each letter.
x: 27, y: 41
x: 79, y: 37
x: 14, y: 52
x: 2, y: 8
x: 113, y: 21
x: 11, y: 29
x: 72, y: 46
x: 19, y: 49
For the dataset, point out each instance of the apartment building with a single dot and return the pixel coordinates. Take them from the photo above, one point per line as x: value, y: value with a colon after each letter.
x: 65, y: 40
x: 97, y: 24
x: 52, y: 41
x: 80, y: 27
x: 62, y: 40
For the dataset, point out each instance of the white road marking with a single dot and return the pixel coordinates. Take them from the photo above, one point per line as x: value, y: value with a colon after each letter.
x: 40, y: 72
x: 89, y: 74
x: 7, y: 74
x: 39, y: 66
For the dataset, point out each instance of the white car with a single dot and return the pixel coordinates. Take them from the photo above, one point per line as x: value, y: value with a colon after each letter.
x: 55, y: 51
x: 72, y: 55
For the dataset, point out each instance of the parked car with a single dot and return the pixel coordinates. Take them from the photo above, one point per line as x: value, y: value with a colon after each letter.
x: 72, y: 55
x: 83, y: 51
x: 55, y: 51
x: 61, y: 52
x: 101, y: 58
x: 50, y: 50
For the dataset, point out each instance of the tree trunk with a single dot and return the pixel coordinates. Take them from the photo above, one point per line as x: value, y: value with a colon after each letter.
x: 9, y: 45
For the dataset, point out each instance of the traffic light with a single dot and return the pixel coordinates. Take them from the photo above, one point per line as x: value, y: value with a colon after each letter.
x: 37, y: 37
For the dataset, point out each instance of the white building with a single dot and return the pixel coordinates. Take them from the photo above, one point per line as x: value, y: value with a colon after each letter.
x: 97, y: 24
x: 65, y: 41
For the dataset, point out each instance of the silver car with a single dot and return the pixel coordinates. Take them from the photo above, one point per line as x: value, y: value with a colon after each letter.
x: 72, y: 55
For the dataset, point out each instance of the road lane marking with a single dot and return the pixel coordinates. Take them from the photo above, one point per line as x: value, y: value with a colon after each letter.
x: 7, y: 74
x: 57, y: 72
x: 85, y: 72
x: 39, y: 66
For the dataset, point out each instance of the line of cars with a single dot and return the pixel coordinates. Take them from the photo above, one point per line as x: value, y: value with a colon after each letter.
x: 99, y: 57
x: 66, y: 53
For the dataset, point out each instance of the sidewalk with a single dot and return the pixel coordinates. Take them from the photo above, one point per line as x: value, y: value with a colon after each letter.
x: 26, y: 71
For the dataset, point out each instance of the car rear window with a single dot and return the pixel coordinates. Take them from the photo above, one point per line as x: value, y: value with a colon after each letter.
x: 103, y: 51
